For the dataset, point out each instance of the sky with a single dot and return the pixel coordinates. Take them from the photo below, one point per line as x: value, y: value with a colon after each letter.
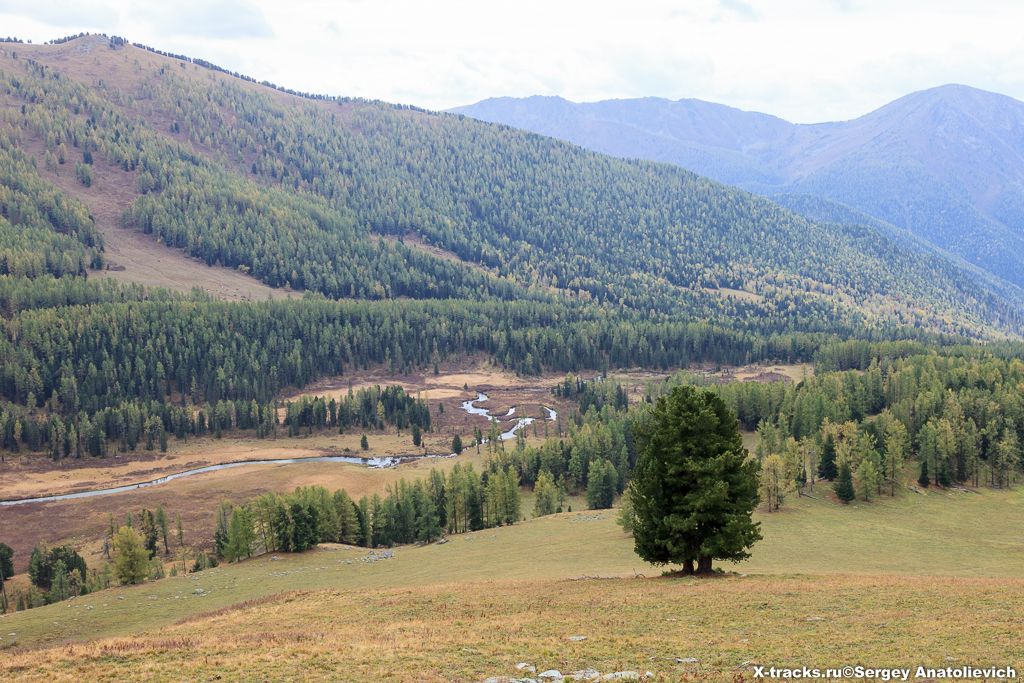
x: 803, y: 60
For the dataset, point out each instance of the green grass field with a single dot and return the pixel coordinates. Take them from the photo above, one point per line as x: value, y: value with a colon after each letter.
x: 958, y: 555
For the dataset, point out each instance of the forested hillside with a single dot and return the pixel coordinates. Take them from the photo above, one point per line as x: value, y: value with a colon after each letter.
x: 481, y: 239
x: 944, y: 163
x: 299, y: 191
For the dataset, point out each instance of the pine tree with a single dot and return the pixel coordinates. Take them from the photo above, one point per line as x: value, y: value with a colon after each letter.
x: 844, y: 484
x: 364, y: 443
x: 457, y: 444
x: 694, y: 487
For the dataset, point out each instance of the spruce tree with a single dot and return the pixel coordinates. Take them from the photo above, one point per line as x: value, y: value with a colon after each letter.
x: 827, y: 464
x: 150, y: 534
x: 457, y: 445
x: 923, y: 480
x: 944, y: 477
x: 601, y: 480
x: 695, y: 487
x: 844, y: 484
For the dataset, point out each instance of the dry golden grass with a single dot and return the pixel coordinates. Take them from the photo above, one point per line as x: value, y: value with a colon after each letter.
x: 934, y: 540
x: 469, y: 631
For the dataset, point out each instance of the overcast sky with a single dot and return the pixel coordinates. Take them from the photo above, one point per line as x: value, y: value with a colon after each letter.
x: 804, y: 60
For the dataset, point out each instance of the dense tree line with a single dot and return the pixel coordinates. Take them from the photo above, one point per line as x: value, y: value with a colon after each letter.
x: 41, y: 230
x: 161, y: 355
x: 369, y: 408
x: 959, y: 413
x: 46, y: 291
x: 141, y: 424
x: 417, y: 512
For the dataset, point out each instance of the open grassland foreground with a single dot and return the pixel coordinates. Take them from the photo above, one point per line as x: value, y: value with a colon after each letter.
x: 713, y: 629
x: 935, y: 580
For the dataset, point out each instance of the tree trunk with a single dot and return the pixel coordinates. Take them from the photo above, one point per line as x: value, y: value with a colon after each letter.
x: 704, y: 564
x: 688, y: 567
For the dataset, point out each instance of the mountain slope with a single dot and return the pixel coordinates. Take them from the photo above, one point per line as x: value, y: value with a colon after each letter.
x: 301, y: 191
x: 945, y: 163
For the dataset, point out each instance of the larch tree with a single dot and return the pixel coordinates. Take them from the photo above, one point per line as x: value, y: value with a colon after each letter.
x: 775, y: 483
x: 131, y: 559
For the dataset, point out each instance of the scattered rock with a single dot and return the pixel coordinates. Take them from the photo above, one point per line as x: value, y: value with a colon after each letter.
x: 198, y: 591
x: 585, y: 675
x: 525, y: 666
x: 577, y: 639
x: 442, y: 541
x: 587, y: 518
x: 621, y: 676
x: 814, y: 619
x: 551, y: 675
x: 686, y: 660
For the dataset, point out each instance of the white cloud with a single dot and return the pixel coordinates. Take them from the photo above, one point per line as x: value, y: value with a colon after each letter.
x: 804, y: 60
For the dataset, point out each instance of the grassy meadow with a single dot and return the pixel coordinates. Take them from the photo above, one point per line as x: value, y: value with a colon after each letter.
x: 915, y: 579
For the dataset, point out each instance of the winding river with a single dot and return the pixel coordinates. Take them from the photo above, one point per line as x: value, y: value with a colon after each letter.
x: 389, y: 461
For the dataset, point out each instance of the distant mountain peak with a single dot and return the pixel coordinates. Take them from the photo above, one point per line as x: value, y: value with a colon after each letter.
x: 946, y: 163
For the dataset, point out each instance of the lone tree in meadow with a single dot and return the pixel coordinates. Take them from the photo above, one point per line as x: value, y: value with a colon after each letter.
x: 694, y: 487
x: 131, y: 558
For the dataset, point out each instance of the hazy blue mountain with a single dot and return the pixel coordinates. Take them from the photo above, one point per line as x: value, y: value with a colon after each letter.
x: 947, y: 164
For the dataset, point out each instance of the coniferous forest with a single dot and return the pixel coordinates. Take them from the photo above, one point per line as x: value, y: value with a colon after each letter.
x: 410, y: 238
x: 414, y: 235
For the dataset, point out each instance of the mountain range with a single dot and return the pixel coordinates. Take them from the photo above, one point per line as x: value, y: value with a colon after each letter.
x: 109, y: 145
x: 946, y: 164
